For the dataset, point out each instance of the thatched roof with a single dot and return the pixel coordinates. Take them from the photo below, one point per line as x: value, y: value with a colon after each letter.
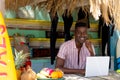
x: 2, y: 6
x: 95, y: 7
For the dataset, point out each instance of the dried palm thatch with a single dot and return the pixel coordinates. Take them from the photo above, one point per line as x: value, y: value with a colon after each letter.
x: 114, y: 7
x: 106, y: 8
x: 96, y: 7
x: 54, y: 5
x: 2, y: 6
x: 15, y: 4
x: 38, y: 3
x: 60, y: 6
x: 10, y: 4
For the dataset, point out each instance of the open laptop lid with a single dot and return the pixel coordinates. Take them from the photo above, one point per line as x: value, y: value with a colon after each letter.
x: 97, y: 66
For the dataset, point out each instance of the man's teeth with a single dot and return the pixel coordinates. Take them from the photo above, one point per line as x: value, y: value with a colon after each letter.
x: 82, y: 38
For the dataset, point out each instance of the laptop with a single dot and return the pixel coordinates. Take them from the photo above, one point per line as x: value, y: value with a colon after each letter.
x: 97, y: 66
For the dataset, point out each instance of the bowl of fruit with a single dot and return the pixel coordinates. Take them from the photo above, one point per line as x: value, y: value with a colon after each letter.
x: 50, y: 74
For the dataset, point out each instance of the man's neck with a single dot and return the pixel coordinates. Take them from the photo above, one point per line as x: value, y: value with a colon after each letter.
x: 79, y: 45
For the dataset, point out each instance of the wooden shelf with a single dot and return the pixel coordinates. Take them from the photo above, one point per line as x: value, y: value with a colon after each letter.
x: 43, y: 25
x: 45, y: 42
x: 48, y: 39
x: 40, y: 25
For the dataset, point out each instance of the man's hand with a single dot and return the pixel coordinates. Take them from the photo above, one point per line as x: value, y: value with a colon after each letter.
x: 89, y: 46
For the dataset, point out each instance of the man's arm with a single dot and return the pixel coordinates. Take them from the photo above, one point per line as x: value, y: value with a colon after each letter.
x: 60, y: 65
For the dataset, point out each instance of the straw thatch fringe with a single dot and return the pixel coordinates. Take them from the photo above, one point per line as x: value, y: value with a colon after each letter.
x: 97, y: 7
x: 104, y: 10
x: 111, y: 7
x: 10, y: 4
x: 116, y: 12
x: 16, y: 4
x: 2, y: 6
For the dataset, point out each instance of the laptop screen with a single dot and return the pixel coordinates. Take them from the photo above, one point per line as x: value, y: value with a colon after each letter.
x: 97, y: 66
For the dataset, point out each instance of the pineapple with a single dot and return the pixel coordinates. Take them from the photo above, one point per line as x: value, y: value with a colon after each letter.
x: 20, y: 58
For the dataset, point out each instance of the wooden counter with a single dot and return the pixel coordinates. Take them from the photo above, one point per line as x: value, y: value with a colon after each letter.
x: 112, y: 76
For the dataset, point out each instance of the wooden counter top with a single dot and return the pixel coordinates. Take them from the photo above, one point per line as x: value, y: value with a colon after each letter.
x: 112, y: 76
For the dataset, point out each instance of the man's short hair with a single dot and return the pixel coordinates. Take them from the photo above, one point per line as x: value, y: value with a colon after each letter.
x: 80, y: 24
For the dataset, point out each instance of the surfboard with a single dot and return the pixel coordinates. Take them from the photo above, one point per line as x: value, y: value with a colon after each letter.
x: 7, y: 66
x: 118, y: 51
